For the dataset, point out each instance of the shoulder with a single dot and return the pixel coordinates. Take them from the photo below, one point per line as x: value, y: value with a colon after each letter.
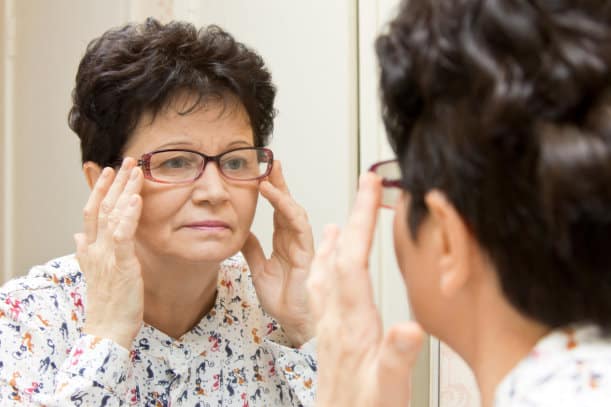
x: 566, y: 369
x: 39, y: 322
x: 47, y: 288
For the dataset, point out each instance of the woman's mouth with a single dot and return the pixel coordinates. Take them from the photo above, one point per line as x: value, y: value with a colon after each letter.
x: 209, y: 225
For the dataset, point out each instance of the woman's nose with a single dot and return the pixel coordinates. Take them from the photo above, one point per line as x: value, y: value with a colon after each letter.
x: 211, y: 186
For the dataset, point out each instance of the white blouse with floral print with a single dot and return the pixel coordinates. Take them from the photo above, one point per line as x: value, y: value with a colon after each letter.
x: 567, y: 368
x: 236, y: 356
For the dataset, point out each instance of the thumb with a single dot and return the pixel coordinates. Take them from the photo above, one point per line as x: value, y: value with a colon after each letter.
x: 398, y: 354
x: 254, y: 255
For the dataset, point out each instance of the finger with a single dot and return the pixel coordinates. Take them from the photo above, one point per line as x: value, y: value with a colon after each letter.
x: 321, y: 274
x: 90, y: 211
x: 398, y: 355
x: 359, y: 230
x: 276, y: 177
x: 123, y: 235
x: 353, y: 281
x: 282, y: 202
x: 133, y: 186
x: 110, y: 200
x: 254, y: 255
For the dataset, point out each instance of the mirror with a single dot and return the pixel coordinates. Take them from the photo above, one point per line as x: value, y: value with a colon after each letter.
x: 321, y: 57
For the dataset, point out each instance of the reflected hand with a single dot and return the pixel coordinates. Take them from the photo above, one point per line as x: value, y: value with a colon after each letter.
x: 358, y: 365
x: 106, y: 255
x: 280, y: 280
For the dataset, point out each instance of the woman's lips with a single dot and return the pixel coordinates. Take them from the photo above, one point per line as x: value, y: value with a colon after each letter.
x: 208, y: 225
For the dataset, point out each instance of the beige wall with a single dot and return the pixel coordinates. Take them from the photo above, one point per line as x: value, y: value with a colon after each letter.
x: 48, y: 189
x: 2, y: 120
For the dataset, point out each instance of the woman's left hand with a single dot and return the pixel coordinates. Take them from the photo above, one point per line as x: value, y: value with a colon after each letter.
x: 280, y: 280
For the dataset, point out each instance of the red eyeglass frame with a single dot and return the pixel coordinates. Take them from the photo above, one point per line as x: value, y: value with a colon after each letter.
x: 386, y: 183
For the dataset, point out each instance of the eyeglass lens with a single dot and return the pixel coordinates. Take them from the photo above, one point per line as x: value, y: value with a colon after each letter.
x: 389, y: 171
x: 180, y: 166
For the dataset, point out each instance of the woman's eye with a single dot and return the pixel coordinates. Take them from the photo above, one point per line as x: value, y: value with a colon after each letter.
x: 234, y: 164
x: 176, y: 162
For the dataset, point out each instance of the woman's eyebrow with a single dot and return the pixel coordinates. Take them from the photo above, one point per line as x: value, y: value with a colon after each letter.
x: 191, y: 145
x: 238, y: 143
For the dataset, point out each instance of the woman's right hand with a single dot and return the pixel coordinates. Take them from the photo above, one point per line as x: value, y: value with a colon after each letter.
x: 106, y: 255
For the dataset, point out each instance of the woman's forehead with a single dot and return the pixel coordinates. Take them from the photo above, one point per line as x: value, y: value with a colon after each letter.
x: 207, y: 128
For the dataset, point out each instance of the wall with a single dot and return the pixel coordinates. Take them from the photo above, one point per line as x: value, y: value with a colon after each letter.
x: 4, y: 31
x: 45, y: 190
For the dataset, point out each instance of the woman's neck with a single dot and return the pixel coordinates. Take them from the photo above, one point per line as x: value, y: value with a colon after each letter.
x: 499, y: 338
x: 177, y: 295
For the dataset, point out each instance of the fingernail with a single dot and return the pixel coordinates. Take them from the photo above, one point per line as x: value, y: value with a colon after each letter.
x: 106, y: 172
x: 134, y: 174
x: 133, y: 201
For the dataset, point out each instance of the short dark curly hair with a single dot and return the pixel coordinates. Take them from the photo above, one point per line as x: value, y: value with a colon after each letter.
x: 139, y: 68
x: 505, y: 106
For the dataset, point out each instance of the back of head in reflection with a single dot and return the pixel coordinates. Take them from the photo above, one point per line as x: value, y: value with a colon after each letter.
x: 499, y: 113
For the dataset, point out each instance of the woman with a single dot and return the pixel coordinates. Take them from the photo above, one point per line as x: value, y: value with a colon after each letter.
x: 158, y: 307
x: 499, y: 113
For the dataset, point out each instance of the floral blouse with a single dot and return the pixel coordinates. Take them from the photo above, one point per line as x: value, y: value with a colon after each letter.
x: 567, y: 368
x: 236, y: 356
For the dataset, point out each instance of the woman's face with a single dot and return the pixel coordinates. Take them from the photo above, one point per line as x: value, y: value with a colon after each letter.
x: 209, y: 219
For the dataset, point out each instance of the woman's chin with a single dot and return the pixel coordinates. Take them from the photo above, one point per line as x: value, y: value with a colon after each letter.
x: 193, y: 250
x: 208, y: 252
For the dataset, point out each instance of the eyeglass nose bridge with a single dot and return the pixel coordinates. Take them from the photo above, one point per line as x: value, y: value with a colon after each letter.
x: 208, y: 159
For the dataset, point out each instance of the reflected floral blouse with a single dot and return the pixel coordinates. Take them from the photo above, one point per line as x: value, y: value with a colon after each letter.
x: 567, y: 368
x: 236, y: 356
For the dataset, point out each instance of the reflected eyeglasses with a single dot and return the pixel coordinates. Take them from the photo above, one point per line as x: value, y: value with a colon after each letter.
x: 390, y: 172
x: 179, y: 166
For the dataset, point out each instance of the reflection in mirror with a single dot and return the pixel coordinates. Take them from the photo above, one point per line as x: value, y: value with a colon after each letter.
x: 154, y: 271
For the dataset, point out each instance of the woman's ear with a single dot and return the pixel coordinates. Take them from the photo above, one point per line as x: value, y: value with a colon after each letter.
x: 92, y: 172
x: 454, y: 242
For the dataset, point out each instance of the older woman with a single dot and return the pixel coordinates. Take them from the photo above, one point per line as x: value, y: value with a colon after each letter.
x: 499, y: 113
x: 158, y: 307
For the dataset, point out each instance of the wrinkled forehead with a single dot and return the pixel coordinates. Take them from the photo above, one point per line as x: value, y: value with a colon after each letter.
x: 188, y: 121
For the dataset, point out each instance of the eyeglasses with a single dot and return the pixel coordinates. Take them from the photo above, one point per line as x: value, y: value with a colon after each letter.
x: 176, y: 166
x: 390, y: 172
